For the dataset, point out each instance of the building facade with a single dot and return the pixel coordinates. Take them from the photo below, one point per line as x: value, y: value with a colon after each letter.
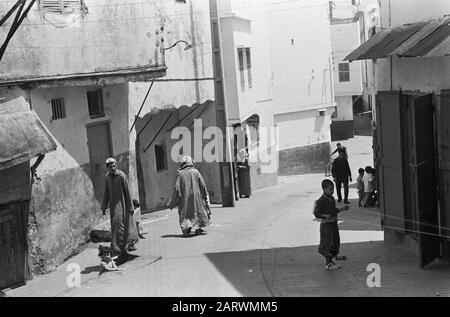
x: 412, y: 121
x: 86, y: 69
x: 279, y: 83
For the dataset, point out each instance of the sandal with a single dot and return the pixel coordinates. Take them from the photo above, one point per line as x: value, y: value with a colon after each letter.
x: 200, y: 232
x: 331, y: 267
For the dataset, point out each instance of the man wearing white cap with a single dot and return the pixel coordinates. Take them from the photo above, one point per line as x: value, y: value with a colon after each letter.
x: 117, y: 198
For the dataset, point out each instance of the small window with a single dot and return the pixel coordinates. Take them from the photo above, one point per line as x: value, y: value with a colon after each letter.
x: 63, y: 6
x: 180, y: 1
x: 95, y: 103
x: 58, y: 109
x: 160, y: 157
x: 249, y: 67
x: 344, y: 72
x: 241, y: 67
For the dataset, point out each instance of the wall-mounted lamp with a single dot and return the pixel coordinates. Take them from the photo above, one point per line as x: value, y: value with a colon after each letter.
x: 188, y: 46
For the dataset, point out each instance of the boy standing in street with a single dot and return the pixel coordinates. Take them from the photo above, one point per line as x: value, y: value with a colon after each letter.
x: 325, y: 210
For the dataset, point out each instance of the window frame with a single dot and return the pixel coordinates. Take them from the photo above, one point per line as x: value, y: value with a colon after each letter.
x: 58, y: 108
x: 100, y: 103
x: 65, y: 7
x: 344, y: 75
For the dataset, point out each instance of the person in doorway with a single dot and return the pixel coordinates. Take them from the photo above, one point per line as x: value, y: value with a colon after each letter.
x: 191, y: 196
x: 339, y: 149
x: 117, y: 198
x: 341, y: 173
x: 368, y: 186
x: 325, y: 210
x: 138, y: 218
x: 360, y: 186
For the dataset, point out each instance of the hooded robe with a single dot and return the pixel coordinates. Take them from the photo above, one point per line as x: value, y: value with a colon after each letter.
x: 123, y: 228
x: 190, y: 195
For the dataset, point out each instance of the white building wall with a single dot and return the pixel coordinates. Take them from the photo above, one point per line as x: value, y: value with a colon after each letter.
x: 345, y: 39
x: 301, y: 62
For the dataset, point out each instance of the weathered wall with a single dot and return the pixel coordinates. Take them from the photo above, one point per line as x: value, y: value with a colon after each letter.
x: 306, y: 159
x: 113, y: 35
x: 71, y: 131
x: 158, y: 185
x: 62, y: 210
x: 188, y: 82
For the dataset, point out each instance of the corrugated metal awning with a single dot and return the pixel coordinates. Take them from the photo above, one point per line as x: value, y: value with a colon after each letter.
x: 22, y: 134
x: 424, y: 39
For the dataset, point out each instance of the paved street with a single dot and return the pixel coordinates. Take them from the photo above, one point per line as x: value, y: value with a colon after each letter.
x: 266, y: 246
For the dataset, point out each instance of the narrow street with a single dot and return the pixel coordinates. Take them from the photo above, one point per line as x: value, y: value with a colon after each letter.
x: 266, y: 246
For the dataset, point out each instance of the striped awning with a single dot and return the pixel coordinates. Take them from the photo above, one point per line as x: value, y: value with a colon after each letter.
x: 424, y: 39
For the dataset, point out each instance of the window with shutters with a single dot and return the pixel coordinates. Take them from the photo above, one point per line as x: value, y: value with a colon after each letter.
x: 58, y: 109
x: 344, y: 72
x: 63, y: 6
x: 95, y: 103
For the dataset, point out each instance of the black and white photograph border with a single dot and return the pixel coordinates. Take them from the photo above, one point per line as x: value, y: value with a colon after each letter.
x: 240, y: 150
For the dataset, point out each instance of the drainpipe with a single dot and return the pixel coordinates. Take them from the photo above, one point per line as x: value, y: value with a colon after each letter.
x: 194, y: 53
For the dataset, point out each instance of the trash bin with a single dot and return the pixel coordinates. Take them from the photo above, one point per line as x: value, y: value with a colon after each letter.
x: 245, y: 189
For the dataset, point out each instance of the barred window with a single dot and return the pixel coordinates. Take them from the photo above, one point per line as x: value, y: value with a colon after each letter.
x: 58, y: 108
x: 95, y: 103
x: 63, y: 6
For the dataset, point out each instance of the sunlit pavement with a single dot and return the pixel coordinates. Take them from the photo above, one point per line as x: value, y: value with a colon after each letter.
x: 265, y: 246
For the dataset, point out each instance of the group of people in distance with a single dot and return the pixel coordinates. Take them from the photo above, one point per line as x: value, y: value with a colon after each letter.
x: 325, y: 209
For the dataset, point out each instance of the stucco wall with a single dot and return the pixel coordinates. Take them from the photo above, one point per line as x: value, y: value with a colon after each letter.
x: 71, y: 131
x: 399, y: 12
x: 344, y: 108
x: 301, y: 61
x: 179, y: 88
x: 158, y: 185
x: 63, y: 208
x: 112, y: 35
x: 345, y: 39
x: 314, y: 129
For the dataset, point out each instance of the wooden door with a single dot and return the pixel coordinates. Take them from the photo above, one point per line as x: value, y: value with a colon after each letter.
x: 444, y: 166
x: 422, y: 167
x: 390, y: 162
x: 100, y: 148
x: 13, y: 245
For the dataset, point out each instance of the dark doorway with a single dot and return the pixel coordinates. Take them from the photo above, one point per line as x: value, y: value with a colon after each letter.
x: 100, y: 148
